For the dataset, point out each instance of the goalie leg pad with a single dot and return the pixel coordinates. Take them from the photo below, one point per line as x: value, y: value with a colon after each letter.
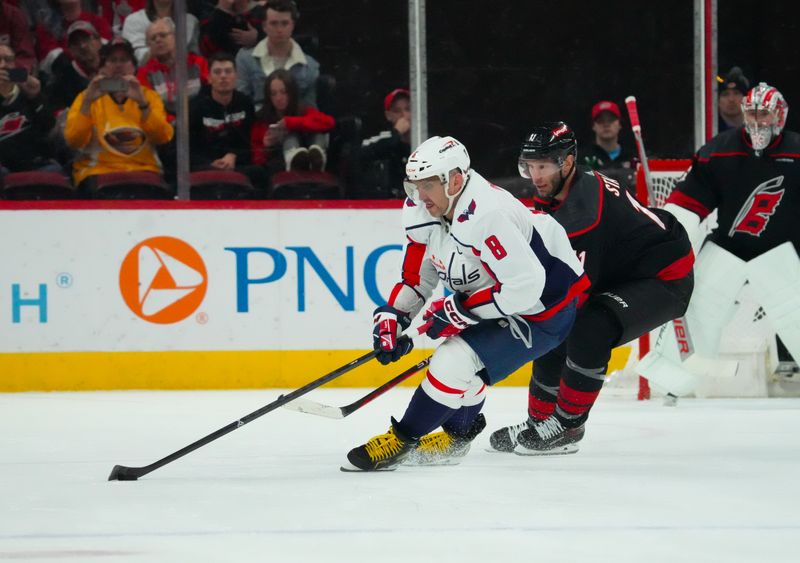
x: 719, y: 276
x: 667, y: 373
x: 452, y: 379
x: 775, y: 282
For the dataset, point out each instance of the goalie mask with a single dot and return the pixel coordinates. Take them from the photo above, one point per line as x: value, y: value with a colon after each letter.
x: 765, y: 113
x: 551, y: 142
x: 438, y: 156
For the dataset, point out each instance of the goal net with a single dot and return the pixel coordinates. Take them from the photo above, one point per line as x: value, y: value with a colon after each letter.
x: 748, y: 352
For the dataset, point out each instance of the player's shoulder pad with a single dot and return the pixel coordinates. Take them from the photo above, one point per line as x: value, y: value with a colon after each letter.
x: 482, y: 202
x: 726, y: 142
x: 584, y: 205
x: 417, y: 222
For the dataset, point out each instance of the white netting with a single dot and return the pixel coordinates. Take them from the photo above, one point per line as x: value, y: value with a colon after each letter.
x: 748, y: 340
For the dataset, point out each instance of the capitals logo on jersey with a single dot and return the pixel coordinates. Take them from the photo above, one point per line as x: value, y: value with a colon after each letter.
x: 759, y: 207
x: 469, y: 211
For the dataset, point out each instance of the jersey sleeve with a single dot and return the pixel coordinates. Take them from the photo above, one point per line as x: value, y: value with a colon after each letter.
x: 698, y: 192
x: 418, y: 276
x: 509, y: 258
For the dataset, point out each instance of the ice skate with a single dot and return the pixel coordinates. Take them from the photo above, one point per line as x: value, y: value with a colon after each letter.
x: 549, y: 437
x: 445, y: 447
x: 505, y: 439
x: 381, y: 453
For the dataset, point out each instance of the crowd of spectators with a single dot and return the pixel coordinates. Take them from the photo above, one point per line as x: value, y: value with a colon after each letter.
x: 91, y: 92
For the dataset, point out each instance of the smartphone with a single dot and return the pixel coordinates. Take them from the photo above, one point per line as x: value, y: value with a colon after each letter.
x: 113, y: 85
x: 18, y: 75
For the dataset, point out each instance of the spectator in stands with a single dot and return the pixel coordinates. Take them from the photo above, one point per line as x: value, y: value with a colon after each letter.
x: 229, y: 28
x: 277, y: 51
x: 158, y: 72
x: 116, y: 123
x: 115, y: 11
x: 24, y: 121
x: 384, y: 155
x: 14, y: 33
x: 607, y: 154
x: 288, y: 128
x: 220, y: 120
x: 72, y: 70
x: 135, y: 27
x: 733, y: 86
x: 51, y: 34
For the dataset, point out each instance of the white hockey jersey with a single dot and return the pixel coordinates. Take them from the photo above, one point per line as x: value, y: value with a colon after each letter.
x: 504, y: 258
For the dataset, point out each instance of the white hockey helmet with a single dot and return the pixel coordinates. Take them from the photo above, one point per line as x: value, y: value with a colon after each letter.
x: 765, y: 112
x: 437, y: 156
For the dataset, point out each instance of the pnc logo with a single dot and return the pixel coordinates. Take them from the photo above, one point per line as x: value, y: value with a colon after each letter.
x: 163, y: 280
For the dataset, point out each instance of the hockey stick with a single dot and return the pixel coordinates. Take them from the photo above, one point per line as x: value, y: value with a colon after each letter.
x: 124, y: 473
x: 633, y: 112
x: 312, y: 407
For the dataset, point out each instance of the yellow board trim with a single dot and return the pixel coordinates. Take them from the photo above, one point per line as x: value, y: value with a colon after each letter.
x: 95, y: 371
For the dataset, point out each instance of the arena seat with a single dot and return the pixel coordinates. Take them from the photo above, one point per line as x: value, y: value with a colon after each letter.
x: 306, y: 185
x: 37, y: 185
x: 220, y: 184
x: 131, y: 185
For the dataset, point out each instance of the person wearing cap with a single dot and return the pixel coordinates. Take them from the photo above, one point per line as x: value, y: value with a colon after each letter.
x: 733, y: 86
x: 72, y: 70
x: 607, y: 153
x: 115, y: 124
x: 51, y: 33
x: 384, y: 156
x: 277, y: 50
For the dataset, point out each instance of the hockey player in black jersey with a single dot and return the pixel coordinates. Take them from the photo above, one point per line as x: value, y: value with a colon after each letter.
x: 639, y: 262
x: 751, y: 176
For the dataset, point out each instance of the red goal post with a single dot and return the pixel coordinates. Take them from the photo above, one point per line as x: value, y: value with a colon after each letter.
x: 665, y: 174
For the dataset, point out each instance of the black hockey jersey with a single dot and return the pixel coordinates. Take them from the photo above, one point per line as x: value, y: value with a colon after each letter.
x: 757, y: 197
x: 618, y: 239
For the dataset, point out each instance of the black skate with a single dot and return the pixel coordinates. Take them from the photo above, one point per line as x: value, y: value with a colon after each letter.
x: 549, y: 437
x: 445, y: 447
x: 381, y: 453
x: 505, y: 439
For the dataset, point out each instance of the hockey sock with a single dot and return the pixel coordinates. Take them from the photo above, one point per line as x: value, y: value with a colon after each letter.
x: 589, y: 345
x: 424, y: 415
x: 543, y: 388
x: 462, y: 419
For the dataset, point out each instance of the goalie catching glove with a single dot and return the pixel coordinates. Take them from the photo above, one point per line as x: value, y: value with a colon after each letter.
x: 447, y: 317
x: 388, y: 324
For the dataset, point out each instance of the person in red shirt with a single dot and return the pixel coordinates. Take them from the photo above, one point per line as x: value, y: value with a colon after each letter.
x: 286, y: 126
x: 158, y: 72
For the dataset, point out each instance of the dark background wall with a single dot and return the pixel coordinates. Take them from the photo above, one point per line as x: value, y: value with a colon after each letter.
x: 496, y: 69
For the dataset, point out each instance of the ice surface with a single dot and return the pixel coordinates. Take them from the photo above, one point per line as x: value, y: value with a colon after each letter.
x: 705, y: 481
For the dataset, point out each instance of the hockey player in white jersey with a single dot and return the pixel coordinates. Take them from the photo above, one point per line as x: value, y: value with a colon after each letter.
x: 514, y: 278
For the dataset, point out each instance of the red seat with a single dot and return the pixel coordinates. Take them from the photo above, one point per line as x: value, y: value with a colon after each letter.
x: 37, y: 185
x: 219, y: 184
x: 306, y: 185
x: 130, y: 185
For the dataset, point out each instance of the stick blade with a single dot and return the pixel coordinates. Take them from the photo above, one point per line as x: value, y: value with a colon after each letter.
x: 122, y: 473
x: 312, y: 407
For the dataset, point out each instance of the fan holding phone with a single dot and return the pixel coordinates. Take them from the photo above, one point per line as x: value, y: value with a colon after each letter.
x: 116, y: 123
x: 24, y: 123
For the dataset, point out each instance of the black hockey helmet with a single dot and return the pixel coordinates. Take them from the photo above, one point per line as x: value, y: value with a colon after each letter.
x: 553, y: 140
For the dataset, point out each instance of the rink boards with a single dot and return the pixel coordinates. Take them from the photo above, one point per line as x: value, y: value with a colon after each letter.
x: 181, y: 295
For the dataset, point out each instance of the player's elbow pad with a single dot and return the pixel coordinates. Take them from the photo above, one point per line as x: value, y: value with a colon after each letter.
x: 690, y: 222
